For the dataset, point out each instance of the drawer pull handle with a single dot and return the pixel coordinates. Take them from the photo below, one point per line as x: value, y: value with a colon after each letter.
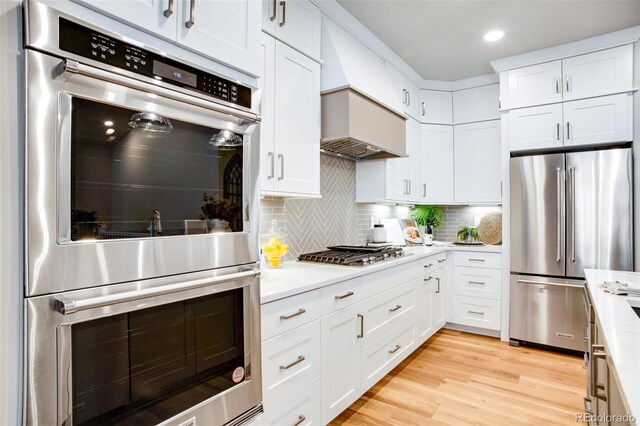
x: 471, y: 259
x: 429, y: 265
x: 429, y: 278
x: 361, y: 334
x: 296, y: 362
x: 602, y: 355
x: 344, y: 296
x: 476, y: 282
x: 476, y: 312
x: 286, y: 317
x: 301, y: 419
x: 394, y: 350
x: 442, y: 260
x: 395, y: 309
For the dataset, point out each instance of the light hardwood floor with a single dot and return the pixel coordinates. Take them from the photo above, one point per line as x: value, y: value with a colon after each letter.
x: 458, y: 378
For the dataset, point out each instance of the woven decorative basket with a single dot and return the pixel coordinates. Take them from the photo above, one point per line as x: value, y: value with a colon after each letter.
x: 490, y: 228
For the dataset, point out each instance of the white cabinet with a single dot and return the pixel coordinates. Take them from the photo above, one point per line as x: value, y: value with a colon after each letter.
x: 436, y: 164
x: 424, y: 321
x: 476, y: 104
x: 537, y: 127
x: 301, y: 407
x: 407, y: 91
x: 592, y: 121
x: 436, y: 107
x: 534, y: 85
x: 341, y: 334
x: 290, y: 137
x: 598, y: 73
x: 476, y: 312
x: 438, y: 301
x: 227, y: 31
x: 295, y: 22
x: 477, y: 156
x: 606, y: 119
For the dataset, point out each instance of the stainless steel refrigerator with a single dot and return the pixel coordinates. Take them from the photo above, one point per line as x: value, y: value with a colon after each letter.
x: 568, y: 212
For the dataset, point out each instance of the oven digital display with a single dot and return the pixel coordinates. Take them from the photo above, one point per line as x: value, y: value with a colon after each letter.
x: 176, y: 74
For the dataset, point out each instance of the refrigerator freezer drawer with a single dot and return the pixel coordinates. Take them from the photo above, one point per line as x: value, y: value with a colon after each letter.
x: 547, y: 311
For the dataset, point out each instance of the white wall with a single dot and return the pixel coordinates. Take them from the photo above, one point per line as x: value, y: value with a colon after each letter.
x: 11, y: 116
x: 636, y: 154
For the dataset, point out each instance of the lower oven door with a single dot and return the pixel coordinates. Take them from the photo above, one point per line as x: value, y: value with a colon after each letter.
x: 163, y: 351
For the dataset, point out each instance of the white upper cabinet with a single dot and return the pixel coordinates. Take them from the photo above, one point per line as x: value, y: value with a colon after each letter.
x: 154, y: 16
x: 228, y: 31
x: 436, y: 164
x: 295, y: 22
x: 606, y: 119
x: 478, y: 175
x: 436, y: 107
x: 289, y: 147
x: 537, y: 127
x: 598, y: 73
x: 476, y: 104
x: 408, y: 92
x: 534, y: 85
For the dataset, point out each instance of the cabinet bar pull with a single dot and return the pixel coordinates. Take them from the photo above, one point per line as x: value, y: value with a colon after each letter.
x: 602, y: 355
x: 429, y: 265
x: 344, y: 296
x: 296, y: 362
x: 424, y: 190
x: 408, y: 98
x: 476, y: 282
x: 295, y: 314
x: 442, y: 260
x: 557, y: 131
x: 192, y: 15
x: 424, y: 110
x: 567, y: 78
x: 438, y: 281
x: 429, y: 278
x: 557, y: 85
x: 301, y: 419
x: 169, y: 10
x: 394, y: 350
x: 476, y: 312
x: 284, y: 13
x: 275, y: 6
x: 273, y: 166
x: 395, y: 309
x: 568, y: 130
x: 471, y: 259
x: 281, y: 157
x: 361, y: 334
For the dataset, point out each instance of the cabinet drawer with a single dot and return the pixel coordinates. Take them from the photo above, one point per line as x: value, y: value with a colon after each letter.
x: 434, y: 262
x: 382, y: 312
x: 290, y: 360
x: 477, y: 282
x: 478, y: 259
x: 341, y: 295
x: 476, y: 312
x: 301, y: 407
x: 384, y: 354
x: 287, y: 314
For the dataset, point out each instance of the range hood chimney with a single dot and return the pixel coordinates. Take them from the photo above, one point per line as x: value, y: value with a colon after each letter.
x: 356, y: 127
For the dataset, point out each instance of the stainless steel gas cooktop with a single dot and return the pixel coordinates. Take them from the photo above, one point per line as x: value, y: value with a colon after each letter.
x: 353, y: 255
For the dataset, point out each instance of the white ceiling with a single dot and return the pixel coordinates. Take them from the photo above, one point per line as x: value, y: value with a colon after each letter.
x: 442, y: 40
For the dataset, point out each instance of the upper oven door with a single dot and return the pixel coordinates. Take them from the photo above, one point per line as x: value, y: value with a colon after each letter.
x: 128, y: 181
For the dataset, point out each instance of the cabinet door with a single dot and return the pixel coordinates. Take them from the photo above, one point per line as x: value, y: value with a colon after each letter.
x: 396, y: 184
x: 436, y: 107
x: 477, y: 157
x: 412, y: 102
x: 154, y: 16
x: 598, y: 120
x: 438, y: 299
x: 412, y: 167
x: 436, y: 152
x: 297, y: 124
x: 534, y: 85
x: 266, y: 85
x: 424, y: 307
x: 295, y: 22
x: 476, y: 104
x: 340, y: 364
x: 536, y: 128
x: 225, y: 30
x: 598, y: 73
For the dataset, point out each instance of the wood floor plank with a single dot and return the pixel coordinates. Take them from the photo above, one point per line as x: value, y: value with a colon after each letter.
x: 458, y: 378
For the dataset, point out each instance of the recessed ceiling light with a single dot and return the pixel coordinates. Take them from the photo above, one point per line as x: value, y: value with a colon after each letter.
x: 108, y: 123
x: 493, y: 35
x: 109, y: 131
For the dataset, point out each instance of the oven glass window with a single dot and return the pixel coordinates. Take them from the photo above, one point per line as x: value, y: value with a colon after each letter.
x: 136, y: 174
x: 146, y: 366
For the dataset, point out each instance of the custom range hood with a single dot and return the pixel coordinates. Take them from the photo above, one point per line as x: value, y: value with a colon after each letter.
x: 359, y: 128
x: 362, y: 115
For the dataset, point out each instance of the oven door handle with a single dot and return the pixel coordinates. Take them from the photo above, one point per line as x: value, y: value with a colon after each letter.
x: 68, y: 306
x: 75, y: 67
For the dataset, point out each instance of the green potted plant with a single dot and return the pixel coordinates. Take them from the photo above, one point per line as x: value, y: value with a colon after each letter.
x: 468, y: 233
x: 428, y: 218
x: 220, y: 212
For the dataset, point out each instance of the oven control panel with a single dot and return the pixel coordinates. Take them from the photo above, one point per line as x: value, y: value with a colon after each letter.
x: 86, y: 42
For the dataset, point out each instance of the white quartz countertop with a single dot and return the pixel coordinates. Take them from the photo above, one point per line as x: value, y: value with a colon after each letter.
x: 621, y: 330
x: 298, y: 277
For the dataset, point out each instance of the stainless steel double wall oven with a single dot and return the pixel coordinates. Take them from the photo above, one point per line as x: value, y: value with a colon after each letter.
x: 142, y: 287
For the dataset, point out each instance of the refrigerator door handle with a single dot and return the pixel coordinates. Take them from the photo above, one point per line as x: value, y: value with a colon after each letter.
x: 549, y: 283
x: 572, y: 203
x: 558, y: 213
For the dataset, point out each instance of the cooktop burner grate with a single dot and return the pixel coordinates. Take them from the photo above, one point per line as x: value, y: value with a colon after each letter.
x: 352, y: 255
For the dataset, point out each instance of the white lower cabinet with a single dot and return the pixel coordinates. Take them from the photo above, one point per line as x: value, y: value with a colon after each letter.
x: 476, y: 312
x: 438, y: 301
x: 424, y: 322
x: 300, y: 408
